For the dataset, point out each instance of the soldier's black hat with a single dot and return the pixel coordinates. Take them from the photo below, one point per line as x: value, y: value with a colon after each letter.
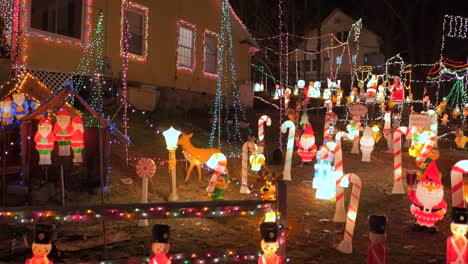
x: 42, y: 234
x: 377, y: 224
x: 160, y: 233
x: 269, y: 231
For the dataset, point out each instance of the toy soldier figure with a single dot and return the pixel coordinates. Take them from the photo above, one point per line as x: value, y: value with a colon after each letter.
x: 377, y: 253
x: 160, y: 244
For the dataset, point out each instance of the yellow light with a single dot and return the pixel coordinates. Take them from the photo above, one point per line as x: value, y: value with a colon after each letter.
x: 270, y: 217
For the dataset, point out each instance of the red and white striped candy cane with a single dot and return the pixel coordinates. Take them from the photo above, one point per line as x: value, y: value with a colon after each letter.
x: 288, y: 125
x: 428, y: 146
x: 340, y: 215
x: 346, y: 245
x: 261, y: 135
x: 339, y: 136
x: 397, y: 164
x: 248, y: 146
x: 456, y: 176
x: 218, y: 162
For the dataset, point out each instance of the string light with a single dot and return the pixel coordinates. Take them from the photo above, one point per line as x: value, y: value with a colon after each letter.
x: 124, y: 100
x: 145, y: 10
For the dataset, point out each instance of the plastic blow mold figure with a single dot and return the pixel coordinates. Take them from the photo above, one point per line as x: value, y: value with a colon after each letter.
x: 77, y: 139
x: 63, y: 130
x: 221, y: 185
x: 20, y: 105
x: 160, y: 244
x: 45, y: 140
x: 42, y: 245
x: 367, y: 144
x: 6, y: 110
x: 306, y: 147
x: 457, y: 244
x: 377, y: 252
x: 269, y: 244
x: 397, y: 89
x: 428, y: 204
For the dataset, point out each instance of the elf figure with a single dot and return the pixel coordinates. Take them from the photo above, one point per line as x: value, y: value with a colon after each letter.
x: 269, y: 244
x: 41, y: 245
x: 220, y: 188
x: 457, y: 244
x: 397, y: 90
x: 6, y: 111
x: 306, y: 147
x: 377, y: 252
x: 160, y: 244
x: 63, y: 130
x: 45, y: 140
x: 77, y: 139
x: 428, y: 205
x: 20, y: 105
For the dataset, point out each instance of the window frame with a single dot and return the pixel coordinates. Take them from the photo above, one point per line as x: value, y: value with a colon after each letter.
x: 144, y: 12
x: 86, y: 25
x: 209, y: 33
x: 182, y: 23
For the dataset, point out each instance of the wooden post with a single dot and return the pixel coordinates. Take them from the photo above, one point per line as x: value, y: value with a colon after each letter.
x: 63, y: 184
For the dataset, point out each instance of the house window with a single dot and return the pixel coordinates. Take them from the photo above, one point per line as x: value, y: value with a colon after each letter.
x: 210, y: 63
x: 342, y: 36
x: 186, y: 46
x: 338, y: 60
x: 306, y: 65
x: 137, y: 17
x: 354, y: 58
x: 315, y: 65
x: 62, y: 17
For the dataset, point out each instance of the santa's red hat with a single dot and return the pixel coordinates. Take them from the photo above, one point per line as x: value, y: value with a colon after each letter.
x: 8, y: 99
x: 308, y: 131
x: 45, y: 120
x: 431, y: 175
x: 77, y: 120
x: 63, y: 112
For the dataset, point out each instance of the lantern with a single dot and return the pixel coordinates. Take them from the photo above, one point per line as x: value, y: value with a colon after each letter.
x: 172, y: 136
x: 256, y: 161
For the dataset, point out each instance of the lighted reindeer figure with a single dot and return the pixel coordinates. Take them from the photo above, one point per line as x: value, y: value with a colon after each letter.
x: 196, y: 156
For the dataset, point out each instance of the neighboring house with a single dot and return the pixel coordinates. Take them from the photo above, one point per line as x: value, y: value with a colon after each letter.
x: 339, y: 24
x: 173, y: 46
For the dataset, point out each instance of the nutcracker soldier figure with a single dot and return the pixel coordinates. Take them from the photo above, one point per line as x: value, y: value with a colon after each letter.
x: 42, y: 245
x: 377, y: 252
x: 457, y: 243
x: 160, y: 244
x: 269, y: 244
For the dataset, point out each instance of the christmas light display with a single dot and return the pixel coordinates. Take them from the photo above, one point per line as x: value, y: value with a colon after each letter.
x: 459, y: 196
x: 306, y: 147
x: 285, y: 127
x: 20, y: 105
x: 324, y: 180
x: 346, y: 246
x: 129, y: 5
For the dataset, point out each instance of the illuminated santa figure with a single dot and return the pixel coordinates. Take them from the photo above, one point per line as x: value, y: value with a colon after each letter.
x: 63, y: 130
x: 77, y: 139
x: 269, y: 244
x: 42, y: 245
x: 20, y: 105
x: 377, y: 252
x: 428, y: 204
x: 160, y: 244
x: 367, y: 144
x: 306, y: 147
x: 457, y: 244
x: 397, y: 90
x: 372, y: 88
x: 6, y: 114
x: 45, y: 140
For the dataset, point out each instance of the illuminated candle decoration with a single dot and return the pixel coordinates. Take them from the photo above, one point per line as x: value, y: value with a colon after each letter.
x: 269, y: 244
x: 77, y: 139
x: 133, y: 6
x: 457, y: 244
x: 160, y: 244
x: 306, y: 147
x: 459, y: 196
x: 20, y: 105
x: 6, y: 111
x: 377, y: 252
x: 45, y: 140
x: 376, y: 132
x: 63, y: 130
x: 285, y: 127
x: 367, y: 144
x: 428, y: 204
x: 41, y: 245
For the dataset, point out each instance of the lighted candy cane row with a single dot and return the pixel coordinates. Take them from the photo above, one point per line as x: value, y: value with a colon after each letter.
x: 261, y: 135
x: 248, y: 146
x: 218, y: 163
x: 288, y: 125
x: 346, y: 245
x: 340, y: 215
x: 456, y: 176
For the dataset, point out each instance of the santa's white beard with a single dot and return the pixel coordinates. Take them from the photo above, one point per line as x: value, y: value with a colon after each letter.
x: 44, y: 132
x: 63, y: 122
x: 307, y: 142
x: 429, y: 198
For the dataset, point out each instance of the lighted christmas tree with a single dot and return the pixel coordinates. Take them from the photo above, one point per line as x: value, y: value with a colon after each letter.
x: 223, y: 114
x: 4, y: 43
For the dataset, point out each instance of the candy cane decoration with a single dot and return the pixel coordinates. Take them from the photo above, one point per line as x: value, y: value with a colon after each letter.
x: 339, y: 136
x: 288, y: 125
x: 434, y: 125
x: 397, y: 165
x: 388, y: 131
x: 456, y: 176
x: 340, y: 215
x: 346, y: 246
x: 261, y: 135
x: 248, y: 146
x: 428, y: 146
x: 329, y: 117
x: 218, y: 163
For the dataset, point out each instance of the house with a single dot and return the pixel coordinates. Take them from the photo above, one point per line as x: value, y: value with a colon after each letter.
x: 336, y: 62
x: 173, y: 46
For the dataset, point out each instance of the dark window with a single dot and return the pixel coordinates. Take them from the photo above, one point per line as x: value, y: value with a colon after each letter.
x: 186, y: 47
x: 211, y: 54
x: 342, y: 36
x: 315, y: 65
x: 135, y: 29
x: 306, y: 65
x: 61, y: 17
